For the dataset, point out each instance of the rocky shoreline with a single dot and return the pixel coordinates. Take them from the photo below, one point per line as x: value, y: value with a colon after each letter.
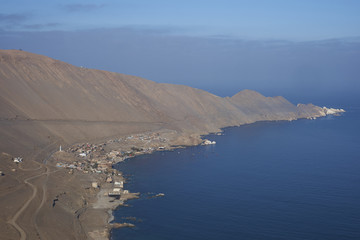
x: 47, y: 103
x: 93, y: 163
x: 134, y: 145
x: 82, y: 187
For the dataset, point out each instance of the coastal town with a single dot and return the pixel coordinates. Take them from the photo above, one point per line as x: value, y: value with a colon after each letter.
x: 99, y: 158
x: 101, y: 188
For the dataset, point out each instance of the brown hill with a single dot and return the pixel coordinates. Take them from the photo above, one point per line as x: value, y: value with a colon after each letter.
x: 43, y: 100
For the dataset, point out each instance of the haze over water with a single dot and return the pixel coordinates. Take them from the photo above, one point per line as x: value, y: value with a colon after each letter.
x: 268, y: 180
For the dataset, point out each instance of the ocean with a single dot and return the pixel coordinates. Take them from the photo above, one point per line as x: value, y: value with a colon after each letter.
x: 267, y: 180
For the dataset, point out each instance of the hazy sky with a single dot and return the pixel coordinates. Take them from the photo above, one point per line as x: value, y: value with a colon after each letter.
x: 251, y: 19
x: 295, y: 48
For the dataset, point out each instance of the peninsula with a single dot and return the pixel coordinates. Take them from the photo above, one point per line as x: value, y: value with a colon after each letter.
x: 98, y: 118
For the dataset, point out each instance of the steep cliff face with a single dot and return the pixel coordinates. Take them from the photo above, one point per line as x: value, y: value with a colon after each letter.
x: 57, y: 99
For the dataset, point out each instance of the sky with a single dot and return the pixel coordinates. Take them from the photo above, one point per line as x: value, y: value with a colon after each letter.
x: 301, y: 49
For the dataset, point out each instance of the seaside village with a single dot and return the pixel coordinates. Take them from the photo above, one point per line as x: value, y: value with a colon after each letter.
x: 99, y: 158
x: 90, y: 158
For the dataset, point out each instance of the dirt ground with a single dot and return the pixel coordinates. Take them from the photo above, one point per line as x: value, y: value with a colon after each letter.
x: 42, y: 201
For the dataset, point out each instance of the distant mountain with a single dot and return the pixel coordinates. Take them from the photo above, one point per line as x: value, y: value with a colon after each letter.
x: 43, y: 100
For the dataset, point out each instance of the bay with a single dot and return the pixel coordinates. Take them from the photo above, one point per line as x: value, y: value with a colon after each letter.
x: 267, y: 180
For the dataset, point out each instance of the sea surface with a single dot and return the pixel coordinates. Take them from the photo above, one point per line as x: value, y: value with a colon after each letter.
x: 267, y: 180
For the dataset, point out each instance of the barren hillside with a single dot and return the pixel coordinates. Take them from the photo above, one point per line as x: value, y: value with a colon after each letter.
x: 43, y: 100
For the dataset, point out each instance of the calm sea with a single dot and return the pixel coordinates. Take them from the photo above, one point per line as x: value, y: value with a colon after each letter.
x: 268, y: 180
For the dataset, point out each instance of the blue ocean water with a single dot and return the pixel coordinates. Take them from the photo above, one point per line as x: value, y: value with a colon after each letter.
x: 267, y: 180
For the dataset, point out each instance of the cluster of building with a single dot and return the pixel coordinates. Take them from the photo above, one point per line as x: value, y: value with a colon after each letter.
x: 99, y: 158
x: 148, y: 141
x: 118, y: 188
x: 89, y: 158
x: 96, y: 158
x: 87, y: 149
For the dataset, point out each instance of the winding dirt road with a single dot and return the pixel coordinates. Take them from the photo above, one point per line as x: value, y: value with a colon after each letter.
x: 13, y: 220
x: 22, y: 209
x: 44, y: 189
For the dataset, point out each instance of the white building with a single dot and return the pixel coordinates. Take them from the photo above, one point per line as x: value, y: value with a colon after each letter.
x: 18, y: 160
x: 119, y: 184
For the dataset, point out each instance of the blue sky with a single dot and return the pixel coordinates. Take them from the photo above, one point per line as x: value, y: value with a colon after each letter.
x: 250, y: 19
x: 301, y: 49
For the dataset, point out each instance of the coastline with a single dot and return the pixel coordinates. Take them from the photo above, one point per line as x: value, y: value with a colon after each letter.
x: 203, y: 141
x: 247, y: 162
x: 48, y: 103
x: 81, y: 158
x: 90, y: 207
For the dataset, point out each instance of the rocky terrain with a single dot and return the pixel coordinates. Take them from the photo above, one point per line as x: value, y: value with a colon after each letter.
x: 45, y: 103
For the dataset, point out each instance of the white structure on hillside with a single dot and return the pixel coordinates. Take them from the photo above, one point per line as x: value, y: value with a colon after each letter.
x: 18, y: 160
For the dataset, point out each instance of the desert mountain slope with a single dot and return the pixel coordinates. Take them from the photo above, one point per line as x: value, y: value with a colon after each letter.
x: 70, y: 103
x: 258, y: 107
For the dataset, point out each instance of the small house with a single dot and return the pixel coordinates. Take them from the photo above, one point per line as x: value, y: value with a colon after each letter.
x: 18, y: 160
x: 119, y: 184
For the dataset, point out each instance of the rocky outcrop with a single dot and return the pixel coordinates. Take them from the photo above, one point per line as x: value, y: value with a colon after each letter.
x: 333, y: 111
x: 311, y: 111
